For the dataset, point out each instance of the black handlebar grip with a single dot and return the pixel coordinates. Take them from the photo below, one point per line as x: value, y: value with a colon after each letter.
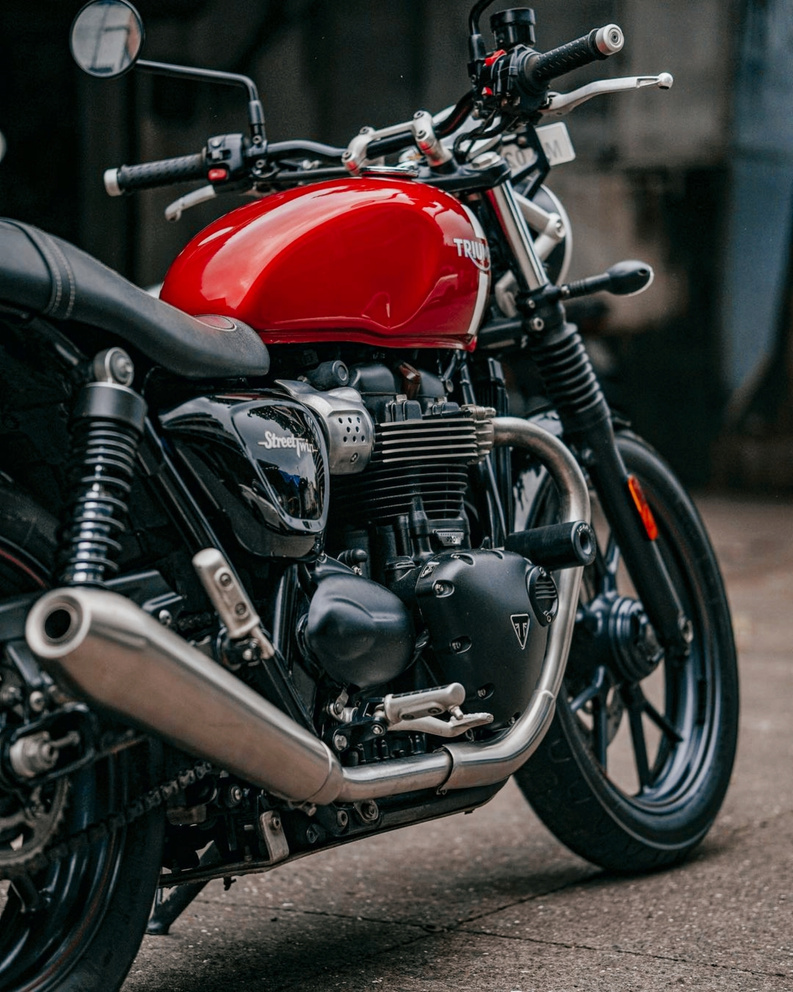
x: 151, y: 174
x: 538, y: 70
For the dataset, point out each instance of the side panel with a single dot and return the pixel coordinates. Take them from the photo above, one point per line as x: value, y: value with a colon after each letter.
x: 384, y: 262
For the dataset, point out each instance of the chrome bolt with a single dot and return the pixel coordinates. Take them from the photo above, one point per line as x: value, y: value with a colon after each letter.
x: 537, y: 323
x: 378, y: 729
x: 369, y: 810
x: 224, y: 579
x: 10, y: 695
x: 340, y: 742
x: 37, y: 701
x: 165, y: 618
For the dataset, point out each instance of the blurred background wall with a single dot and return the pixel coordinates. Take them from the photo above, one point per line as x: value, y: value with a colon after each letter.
x: 696, y: 180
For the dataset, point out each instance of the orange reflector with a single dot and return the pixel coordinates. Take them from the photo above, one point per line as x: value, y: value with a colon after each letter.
x: 643, y: 508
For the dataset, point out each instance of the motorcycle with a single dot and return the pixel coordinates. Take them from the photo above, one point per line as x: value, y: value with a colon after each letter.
x: 279, y: 570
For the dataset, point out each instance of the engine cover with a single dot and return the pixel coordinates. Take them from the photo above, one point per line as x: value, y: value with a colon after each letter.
x: 261, y: 459
x: 359, y: 631
x: 488, y: 614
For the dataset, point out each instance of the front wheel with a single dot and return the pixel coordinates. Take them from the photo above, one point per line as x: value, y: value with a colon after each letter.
x: 636, y: 763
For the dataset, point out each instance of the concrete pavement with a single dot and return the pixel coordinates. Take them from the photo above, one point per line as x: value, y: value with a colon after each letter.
x: 492, y: 902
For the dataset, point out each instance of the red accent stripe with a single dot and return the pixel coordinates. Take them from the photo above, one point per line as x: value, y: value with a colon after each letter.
x: 642, y: 507
x: 23, y: 568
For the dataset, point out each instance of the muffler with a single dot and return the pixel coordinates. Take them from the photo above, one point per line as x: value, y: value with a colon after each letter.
x: 106, y: 650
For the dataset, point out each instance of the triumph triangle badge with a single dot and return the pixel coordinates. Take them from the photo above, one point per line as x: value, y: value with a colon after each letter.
x: 520, y: 624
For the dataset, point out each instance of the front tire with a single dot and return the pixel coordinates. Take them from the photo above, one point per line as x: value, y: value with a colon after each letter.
x: 636, y: 763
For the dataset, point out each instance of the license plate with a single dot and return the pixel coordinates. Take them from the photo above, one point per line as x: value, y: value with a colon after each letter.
x: 555, y: 141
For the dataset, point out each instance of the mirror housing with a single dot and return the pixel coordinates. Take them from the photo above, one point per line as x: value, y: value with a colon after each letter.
x: 106, y: 38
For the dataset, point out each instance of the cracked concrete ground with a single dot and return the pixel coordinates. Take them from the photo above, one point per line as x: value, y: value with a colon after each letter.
x: 492, y: 902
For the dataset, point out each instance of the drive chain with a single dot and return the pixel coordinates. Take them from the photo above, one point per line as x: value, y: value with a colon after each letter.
x: 103, y: 829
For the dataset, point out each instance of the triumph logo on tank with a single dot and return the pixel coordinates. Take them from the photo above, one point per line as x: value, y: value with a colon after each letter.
x: 272, y: 441
x: 520, y: 624
x: 477, y: 250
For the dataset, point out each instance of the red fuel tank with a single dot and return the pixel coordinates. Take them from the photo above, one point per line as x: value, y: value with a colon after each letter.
x: 385, y: 262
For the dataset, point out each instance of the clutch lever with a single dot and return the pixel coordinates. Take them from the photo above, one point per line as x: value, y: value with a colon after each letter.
x: 174, y: 211
x: 559, y: 104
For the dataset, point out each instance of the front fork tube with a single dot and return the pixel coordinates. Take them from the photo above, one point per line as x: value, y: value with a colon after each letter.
x: 573, y: 387
x: 641, y: 555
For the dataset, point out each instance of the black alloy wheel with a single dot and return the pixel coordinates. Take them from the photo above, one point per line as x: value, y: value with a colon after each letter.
x: 638, y: 758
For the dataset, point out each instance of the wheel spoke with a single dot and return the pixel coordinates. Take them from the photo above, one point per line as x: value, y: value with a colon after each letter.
x: 597, y: 687
x: 597, y: 693
x: 635, y: 709
x: 26, y: 892
x: 661, y: 722
x: 600, y: 731
x: 605, y: 566
x: 586, y: 696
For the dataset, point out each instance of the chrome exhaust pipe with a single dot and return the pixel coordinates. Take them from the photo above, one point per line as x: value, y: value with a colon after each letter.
x: 105, y: 649
x: 463, y: 765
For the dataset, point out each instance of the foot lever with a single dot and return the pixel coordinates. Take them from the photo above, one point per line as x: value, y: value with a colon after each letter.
x: 420, y: 711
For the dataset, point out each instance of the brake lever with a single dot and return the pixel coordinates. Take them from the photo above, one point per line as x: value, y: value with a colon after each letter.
x: 559, y: 104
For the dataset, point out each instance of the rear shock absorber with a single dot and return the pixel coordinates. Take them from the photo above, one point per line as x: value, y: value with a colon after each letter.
x: 107, y: 424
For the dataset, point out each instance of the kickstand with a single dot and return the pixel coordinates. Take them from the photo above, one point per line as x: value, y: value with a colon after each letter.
x: 168, y: 909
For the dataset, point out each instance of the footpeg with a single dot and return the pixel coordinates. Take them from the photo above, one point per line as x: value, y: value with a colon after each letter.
x: 421, y: 711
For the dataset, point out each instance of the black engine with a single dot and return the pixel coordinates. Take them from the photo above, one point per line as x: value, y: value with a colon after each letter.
x: 368, y: 483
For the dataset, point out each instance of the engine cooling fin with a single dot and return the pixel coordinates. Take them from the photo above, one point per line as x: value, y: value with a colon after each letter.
x: 426, y: 457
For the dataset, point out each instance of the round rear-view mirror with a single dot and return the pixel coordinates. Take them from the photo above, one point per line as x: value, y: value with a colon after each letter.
x: 106, y: 38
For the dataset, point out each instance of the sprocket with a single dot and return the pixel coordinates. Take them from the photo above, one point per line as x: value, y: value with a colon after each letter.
x: 28, y: 825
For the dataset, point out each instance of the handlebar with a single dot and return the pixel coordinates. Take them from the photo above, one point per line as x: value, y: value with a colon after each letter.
x: 229, y: 160
x: 535, y: 70
x: 151, y: 174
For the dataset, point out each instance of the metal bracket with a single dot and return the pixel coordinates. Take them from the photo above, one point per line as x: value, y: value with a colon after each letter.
x: 234, y: 608
x: 272, y: 832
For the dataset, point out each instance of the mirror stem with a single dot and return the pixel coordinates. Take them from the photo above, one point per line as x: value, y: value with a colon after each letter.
x: 255, y: 110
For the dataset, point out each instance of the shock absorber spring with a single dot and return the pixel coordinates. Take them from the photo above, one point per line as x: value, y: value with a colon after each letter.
x: 107, y: 427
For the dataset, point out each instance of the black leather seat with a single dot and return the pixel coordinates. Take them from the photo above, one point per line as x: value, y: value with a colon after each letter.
x: 44, y: 274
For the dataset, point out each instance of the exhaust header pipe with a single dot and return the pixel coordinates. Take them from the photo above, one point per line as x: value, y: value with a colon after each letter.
x: 106, y: 650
